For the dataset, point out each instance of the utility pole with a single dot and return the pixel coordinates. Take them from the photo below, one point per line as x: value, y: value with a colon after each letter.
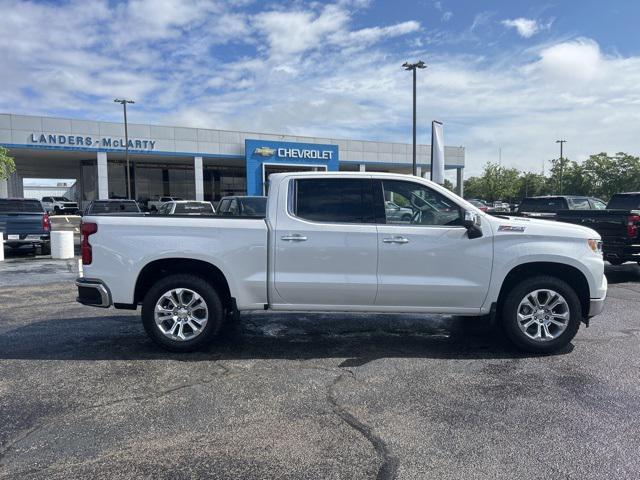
x: 413, y: 67
x: 561, y: 142
x: 126, y: 142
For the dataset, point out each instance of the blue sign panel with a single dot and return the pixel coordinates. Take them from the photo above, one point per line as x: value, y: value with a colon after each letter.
x: 290, y: 154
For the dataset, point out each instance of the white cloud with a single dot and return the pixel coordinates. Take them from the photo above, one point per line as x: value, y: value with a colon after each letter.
x: 446, y: 16
x: 526, y: 27
x: 579, y: 59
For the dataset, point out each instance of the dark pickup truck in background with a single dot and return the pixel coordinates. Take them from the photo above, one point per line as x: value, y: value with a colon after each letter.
x: 618, y: 225
x: 24, y: 224
x: 547, y: 207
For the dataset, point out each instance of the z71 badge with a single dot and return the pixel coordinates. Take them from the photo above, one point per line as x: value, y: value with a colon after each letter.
x: 510, y: 228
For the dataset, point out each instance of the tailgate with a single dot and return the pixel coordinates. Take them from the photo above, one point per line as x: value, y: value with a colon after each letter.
x: 21, y: 224
x: 608, y: 223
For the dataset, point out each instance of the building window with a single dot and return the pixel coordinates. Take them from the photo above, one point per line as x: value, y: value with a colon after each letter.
x: 223, y: 181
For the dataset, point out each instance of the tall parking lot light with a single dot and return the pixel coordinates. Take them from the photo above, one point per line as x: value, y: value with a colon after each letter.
x: 561, y: 142
x: 126, y: 142
x: 413, y: 67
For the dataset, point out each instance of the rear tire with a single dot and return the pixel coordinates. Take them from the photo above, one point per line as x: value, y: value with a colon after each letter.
x: 541, y: 314
x: 182, y: 313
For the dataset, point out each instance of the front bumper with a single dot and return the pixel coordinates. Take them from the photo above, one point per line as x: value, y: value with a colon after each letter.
x: 596, y: 306
x: 93, y: 292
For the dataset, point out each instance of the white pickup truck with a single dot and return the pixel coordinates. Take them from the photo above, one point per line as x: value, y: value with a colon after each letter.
x: 327, y: 244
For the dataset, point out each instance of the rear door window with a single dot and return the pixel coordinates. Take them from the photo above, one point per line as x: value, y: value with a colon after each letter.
x: 334, y: 200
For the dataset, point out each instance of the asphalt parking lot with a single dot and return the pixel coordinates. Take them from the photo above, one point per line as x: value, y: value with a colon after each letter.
x: 84, y: 394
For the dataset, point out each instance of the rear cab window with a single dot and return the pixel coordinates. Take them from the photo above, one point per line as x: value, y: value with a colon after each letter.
x: 194, y: 207
x: 20, y: 206
x: 543, y: 205
x: 624, y: 202
x: 114, y: 207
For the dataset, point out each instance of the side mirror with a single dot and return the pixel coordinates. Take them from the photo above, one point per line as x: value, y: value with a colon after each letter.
x: 473, y: 224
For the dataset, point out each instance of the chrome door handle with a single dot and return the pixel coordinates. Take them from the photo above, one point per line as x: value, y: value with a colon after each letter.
x: 296, y: 237
x: 398, y: 239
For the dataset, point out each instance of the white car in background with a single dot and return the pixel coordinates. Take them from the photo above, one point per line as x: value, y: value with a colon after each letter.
x: 186, y: 207
x: 59, y: 206
x: 153, y: 205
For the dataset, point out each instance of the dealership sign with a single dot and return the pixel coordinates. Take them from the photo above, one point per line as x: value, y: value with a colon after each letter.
x: 302, y: 153
x: 88, y: 141
x: 262, y: 154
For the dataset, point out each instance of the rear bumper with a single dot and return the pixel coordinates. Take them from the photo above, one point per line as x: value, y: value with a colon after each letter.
x: 614, y: 250
x: 93, y: 292
x: 33, y: 239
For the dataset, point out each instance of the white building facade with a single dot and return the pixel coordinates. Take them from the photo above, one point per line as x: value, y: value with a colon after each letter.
x: 191, y: 163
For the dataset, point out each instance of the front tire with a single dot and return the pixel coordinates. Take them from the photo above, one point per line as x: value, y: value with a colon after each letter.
x: 182, y: 313
x: 541, y: 314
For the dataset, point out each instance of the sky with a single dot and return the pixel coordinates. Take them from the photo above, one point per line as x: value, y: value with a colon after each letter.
x: 503, y: 76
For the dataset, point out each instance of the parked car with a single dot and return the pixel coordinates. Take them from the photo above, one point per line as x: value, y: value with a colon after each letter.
x: 498, y: 207
x: 326, y: 244
x: 240, y: 206
x: 24, y: 224
x: 618, y: 224
x: 548, y: 206
x: 479, y: 204
x: 60, y: 206
x: 153, y: 205
x: 113, y: 207
x: 397, y: 212
x: 186, y: 207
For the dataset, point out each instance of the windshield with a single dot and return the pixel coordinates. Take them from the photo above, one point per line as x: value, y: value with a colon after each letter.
x: 61, y: 199
x: 624, y: 202
x: 20, y: 206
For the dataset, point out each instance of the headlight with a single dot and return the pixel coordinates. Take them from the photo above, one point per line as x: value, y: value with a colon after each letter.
x: 595, y: 245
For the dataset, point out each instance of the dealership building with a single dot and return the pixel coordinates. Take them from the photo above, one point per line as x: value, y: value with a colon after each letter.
x: 192, y: 163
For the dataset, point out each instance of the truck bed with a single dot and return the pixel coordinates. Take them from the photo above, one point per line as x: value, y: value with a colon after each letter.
x: 124, y: 244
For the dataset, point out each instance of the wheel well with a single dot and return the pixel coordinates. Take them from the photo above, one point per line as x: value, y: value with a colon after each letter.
x: 160, y: 268
x: 571, y: 275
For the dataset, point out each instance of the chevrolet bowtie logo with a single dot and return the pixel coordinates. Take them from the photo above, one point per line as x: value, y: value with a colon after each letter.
x: 264, y: 151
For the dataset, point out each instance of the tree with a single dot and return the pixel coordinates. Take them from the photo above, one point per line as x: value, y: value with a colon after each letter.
x: 7, y: 164
x: 496, y: 183
x: 448, y: 185
x: 600, y: 176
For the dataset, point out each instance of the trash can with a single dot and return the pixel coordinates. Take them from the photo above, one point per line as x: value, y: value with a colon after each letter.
x: 62, y: 244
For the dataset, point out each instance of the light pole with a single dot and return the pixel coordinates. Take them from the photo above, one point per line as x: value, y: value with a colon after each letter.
x: 561, y: 142
x: 414, y: 67
x: 126, y: 142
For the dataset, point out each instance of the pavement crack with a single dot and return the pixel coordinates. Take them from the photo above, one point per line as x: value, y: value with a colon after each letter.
x: 388, y: 461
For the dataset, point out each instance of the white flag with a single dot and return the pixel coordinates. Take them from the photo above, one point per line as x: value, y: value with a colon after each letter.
x: 437, y: 153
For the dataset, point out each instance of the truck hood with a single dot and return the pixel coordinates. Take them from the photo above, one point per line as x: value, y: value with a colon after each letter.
x: 533, y: 226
